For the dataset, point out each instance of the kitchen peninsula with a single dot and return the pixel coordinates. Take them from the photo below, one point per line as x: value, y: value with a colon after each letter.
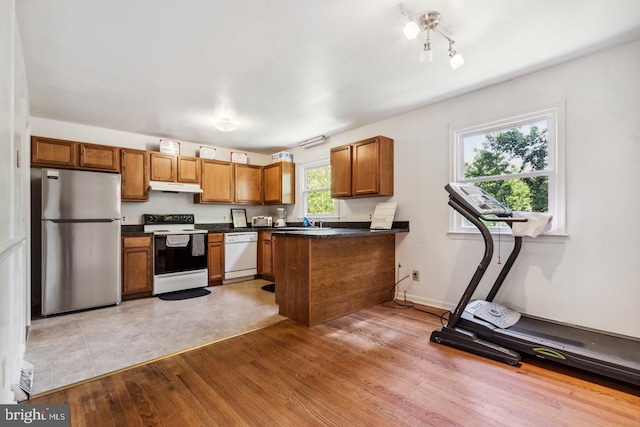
x: 323, y: 274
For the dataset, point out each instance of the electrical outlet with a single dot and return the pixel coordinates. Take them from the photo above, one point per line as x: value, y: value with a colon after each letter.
x: 124, y: 219
x: 416, y: 275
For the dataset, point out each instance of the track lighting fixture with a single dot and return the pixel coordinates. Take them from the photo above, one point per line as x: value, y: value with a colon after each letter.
x: 428, y: 22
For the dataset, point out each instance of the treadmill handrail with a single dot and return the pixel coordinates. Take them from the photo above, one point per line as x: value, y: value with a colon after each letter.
x: 484, y: 263
x: 482, y: 266
x: 503, y: 219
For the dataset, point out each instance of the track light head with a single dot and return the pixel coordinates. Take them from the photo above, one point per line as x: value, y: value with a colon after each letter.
x: 455, y: 59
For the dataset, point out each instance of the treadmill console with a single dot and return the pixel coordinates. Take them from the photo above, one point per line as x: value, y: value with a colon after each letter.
x: 477, y: 200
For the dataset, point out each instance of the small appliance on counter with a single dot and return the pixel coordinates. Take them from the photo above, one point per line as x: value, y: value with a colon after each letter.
x: 280, y: 222
x: 261, y: 221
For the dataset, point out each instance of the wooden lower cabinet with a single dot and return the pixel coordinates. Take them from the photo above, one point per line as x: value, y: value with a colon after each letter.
x: 137, y: 267
x: 215, y: 261
x: 265, y: 255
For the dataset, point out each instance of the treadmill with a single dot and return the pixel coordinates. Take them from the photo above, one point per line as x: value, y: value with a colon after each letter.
x: 488, y: 329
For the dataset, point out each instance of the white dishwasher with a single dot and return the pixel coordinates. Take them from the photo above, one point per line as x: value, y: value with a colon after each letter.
x: 240, y: 256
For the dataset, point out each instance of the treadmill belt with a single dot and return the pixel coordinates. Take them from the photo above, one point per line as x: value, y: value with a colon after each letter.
x: 591, y: 341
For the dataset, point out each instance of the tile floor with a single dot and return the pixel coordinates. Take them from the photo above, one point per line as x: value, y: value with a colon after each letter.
x: 73, y: 347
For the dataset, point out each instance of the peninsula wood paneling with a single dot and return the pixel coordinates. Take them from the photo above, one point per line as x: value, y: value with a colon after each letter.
x: 321, y: 279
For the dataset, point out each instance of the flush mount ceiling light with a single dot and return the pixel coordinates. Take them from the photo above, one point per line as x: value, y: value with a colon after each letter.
x: 225, y: 125
x: 428, y: 22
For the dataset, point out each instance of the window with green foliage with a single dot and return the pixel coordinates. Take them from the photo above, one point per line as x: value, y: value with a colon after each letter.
x: 316, y: 190
x: 516, y: 160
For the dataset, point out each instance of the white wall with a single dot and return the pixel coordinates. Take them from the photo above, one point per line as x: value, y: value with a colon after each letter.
x: 14, y: 203
x: 591, y: 277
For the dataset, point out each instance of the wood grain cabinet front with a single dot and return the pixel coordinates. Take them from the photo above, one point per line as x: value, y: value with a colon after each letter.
x: 216, y: 182
x: 53, y: 152
x: 164, y: 167
x: 265, y: 255
x: 248, y: 183
x: 215, y: 261
x: 59, y: 153
x: 134, y: 165
x: 137, y: 267
x: 362, y: 169
x: 188, y: 169
x: 99, y: 157
x: 279, y: 183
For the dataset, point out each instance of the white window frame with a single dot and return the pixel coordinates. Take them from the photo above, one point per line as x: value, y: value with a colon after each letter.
x: 303, y: 190
x: 555, y: 116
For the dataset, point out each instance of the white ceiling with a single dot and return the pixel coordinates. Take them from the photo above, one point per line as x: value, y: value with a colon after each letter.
x: 286, y: 70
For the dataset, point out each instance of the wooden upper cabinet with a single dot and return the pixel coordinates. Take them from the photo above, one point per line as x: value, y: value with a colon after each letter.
x: 216, y: 182
x: 363, y: 169
x: 53, y: 152
x: 188, y: 169
x: 341, y: 171
x: 135, y: 174
x: 164, y: 167
x: 248, y: 183
x: 279, y: 183
x: 99, y: 157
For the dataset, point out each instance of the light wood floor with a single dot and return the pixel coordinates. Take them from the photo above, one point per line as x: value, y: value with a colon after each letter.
x: 372, y: 368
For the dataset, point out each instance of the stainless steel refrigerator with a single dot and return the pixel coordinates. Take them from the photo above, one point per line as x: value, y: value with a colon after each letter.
x: 80, y: 240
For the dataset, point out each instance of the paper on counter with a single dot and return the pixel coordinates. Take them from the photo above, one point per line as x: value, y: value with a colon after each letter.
x: 383, y: 216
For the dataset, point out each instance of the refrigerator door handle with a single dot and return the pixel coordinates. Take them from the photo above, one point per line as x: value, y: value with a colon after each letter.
x: 66, y: 221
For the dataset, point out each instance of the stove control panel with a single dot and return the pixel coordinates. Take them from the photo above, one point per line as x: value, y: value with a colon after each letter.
x: 154, y: 219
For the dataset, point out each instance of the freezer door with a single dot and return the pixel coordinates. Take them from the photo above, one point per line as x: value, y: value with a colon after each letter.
x: 79, y: 195
x: 80, y: 265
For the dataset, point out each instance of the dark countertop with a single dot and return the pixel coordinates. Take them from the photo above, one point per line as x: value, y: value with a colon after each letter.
x: 336, y: 229
x: 329, y: 233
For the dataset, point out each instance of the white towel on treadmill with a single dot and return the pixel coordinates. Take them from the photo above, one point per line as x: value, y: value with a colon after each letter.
x: 537, y: 223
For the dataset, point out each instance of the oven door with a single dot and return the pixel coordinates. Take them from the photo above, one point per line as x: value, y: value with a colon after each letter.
x: 174, y: 253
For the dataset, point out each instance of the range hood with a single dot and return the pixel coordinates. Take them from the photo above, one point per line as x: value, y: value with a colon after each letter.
x: 174, y: 187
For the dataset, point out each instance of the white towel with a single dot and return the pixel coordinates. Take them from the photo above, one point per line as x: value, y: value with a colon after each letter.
x: 177, y: 241
x: 537, y: 223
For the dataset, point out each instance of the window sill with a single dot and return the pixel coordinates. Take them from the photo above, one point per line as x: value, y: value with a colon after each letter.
x: 543, y: 238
